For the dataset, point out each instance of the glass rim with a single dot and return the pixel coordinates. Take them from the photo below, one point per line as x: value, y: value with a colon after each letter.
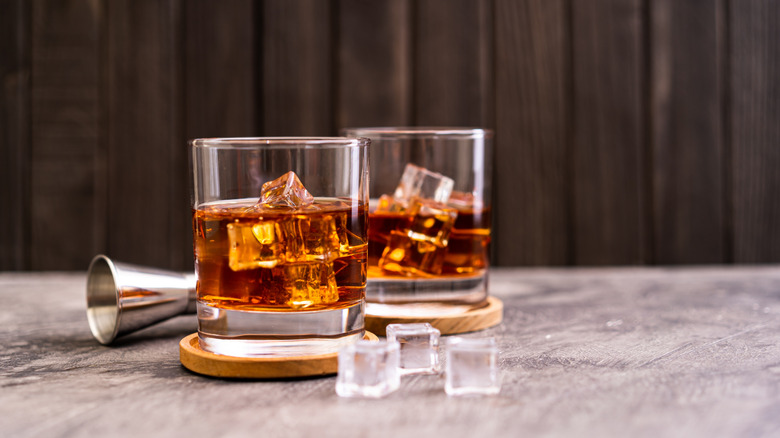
x: 280, y: 142
x: 419, y: 132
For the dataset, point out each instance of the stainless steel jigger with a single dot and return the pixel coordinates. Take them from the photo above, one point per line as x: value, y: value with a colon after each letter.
x: 123, y: 298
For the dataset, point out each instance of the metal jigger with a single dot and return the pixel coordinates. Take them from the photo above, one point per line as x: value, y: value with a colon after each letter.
x: 123, y: 298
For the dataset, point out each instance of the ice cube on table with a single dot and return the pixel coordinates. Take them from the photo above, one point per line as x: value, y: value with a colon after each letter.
x: 472, y: 367
x: 368, y: 369
x: 285, y: 191
x: 419, y: 182
x: 419, y: 344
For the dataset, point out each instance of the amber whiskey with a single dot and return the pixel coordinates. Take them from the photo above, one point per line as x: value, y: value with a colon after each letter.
x: 250, y: 257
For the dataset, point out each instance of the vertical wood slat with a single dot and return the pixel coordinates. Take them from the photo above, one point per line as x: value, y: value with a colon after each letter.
x: 532, y: 127
x: 15, y: 22
x: 452, y: 63
x: 297, y: 68
x: 65, y: 85
x: 374, y: 63
x: 688, y: 185
x: 146, y: 152
x: 755, y: 129
x: 219, y: 69
x: 609, y: 133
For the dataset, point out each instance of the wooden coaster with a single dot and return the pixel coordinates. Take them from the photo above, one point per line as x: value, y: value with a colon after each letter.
x: 469, y: 320
x: 217, y: 365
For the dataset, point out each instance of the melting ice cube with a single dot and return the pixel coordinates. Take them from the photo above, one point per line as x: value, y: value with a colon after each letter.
x: 309, y: 284
x: 419, y: 347
x: 257, y: 245
x: 406, y: 256
x: 285, y: 191
x: 420, y: 182
x: 431, y: 222
x: 323, y: 236
x: 368, y: 369
x: 462, y: 200
x: 421, y: 248
x: 472, y: 367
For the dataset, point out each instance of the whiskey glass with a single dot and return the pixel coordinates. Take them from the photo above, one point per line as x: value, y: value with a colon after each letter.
x: 280, y: 243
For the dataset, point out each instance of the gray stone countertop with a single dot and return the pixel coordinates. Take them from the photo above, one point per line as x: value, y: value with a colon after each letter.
x: 640, y: 352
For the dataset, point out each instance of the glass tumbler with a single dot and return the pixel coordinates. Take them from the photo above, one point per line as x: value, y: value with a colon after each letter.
x: 430, y: 214
x: 280, y: 243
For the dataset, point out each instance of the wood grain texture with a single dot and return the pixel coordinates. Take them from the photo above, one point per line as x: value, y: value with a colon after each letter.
x: 532, y: 133
x: 608, y: 171
x: 195, y: 359
x: 148, y: 220
x: 755, y: 129
x: 687, y: 60
x: 480, y: 317
x: 220, y: 69
x: 452, y: 63
x: 297, y: 68
x: 15, y: 126
x: 65, y: 122
x: 582, y: 352
x: 374, y: 84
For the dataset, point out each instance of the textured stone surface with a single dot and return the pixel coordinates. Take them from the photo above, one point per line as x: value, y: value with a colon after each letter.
x: 586, y: 352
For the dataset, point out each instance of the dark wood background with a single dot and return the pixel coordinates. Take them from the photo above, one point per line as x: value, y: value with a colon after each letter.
x: 627, y: 131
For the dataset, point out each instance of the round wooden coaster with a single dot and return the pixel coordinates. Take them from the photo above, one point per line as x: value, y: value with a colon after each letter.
x: 468, y: 320
x: 216, y: 365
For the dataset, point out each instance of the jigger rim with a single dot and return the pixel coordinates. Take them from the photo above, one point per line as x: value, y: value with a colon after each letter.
x: 103, y: 314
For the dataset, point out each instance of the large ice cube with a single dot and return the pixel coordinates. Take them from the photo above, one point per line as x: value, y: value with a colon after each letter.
x: 418, y: 182
x: 260, y: 244
x: 472, y: 367
x: 285, y: 191
x: 462, y: 200
x: 406, y: 256
x: 419, y: 347
x: 421, y: 248
x: 295, y: 238
x: 309, y: 284
x: 388, y: 204
x: 368, y: 369
x: 431, y: 222
x: 323, y: 236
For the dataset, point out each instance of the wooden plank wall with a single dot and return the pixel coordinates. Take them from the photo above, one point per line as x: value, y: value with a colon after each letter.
x: 627, y: 131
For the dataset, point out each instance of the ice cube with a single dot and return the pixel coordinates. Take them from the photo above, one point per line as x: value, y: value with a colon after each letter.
x: 285, y: 191
x: 421, y: 248
x: 388, y: 204
x: 472, y: 367
x: 368, y: 369
x: 309, y: 284
x: 431, y: 222
x: 462, y: 200
x: 419, y: 347
x: 406, y: 256
x: 255, y: 245
x: 322, y: 236
x: 419, y: 182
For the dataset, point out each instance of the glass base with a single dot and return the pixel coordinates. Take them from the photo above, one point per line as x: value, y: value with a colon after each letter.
x: 450, y: 290
x: 241, y: 333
